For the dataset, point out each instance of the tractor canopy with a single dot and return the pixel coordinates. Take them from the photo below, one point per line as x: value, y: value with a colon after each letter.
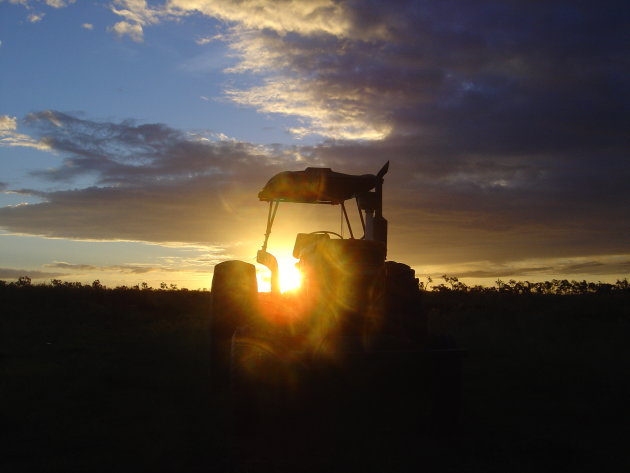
x: 316, y: 186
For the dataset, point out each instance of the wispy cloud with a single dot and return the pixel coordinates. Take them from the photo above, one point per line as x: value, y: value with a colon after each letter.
x: 120, y: 268
x: 12, y: 273
x: 35, y: 17
x: 10, y: 137
x: 208, y: 39
x: 130, y: 153
x: 552, y: 269
x: 59, y: 3
x: 137, y: 14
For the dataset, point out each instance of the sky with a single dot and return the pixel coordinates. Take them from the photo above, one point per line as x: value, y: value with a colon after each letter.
x: 135, y: 136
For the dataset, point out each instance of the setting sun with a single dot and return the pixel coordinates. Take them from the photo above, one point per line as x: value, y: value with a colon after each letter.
x: 290, y: 276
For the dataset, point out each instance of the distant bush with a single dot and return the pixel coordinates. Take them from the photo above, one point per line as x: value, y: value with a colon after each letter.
x: 553, y: 287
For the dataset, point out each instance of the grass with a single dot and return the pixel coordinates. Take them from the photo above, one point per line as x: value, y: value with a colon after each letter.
x: 117, y: 380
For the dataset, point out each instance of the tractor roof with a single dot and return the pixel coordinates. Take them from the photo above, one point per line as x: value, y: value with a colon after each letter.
x: 316, y: 186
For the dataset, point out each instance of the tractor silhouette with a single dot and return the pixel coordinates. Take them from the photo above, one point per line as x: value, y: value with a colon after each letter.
x: 349, y: 350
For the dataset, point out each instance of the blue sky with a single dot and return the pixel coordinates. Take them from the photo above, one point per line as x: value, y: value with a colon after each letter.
x: 134, y: 136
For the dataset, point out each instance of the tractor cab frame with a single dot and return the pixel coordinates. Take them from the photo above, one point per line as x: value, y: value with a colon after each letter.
x: 324, y: 186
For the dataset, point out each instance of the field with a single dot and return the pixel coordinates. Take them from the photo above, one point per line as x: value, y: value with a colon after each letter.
x: 96, y: 379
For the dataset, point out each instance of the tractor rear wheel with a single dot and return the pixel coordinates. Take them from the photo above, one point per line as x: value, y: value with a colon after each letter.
x: 234, y: 304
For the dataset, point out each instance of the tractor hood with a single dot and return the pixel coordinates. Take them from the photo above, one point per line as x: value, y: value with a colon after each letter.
x: 316, y: 186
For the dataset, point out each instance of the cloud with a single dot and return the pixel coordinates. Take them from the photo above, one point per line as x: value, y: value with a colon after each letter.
x: 12, y: 273
x: 35, y: 17
x: 326, y: 117
x: 475, y: 75
x: 20, y: 2
x: 134, y: 31
x: 137, y: 11
x: 157, y: 184
x: 10, y: 137
x: 269, y: 36
x: 59, y: 3
x: 50, y: 3
x: 87, y: 26
x: 146, y: 175
x: 129, y: 153
x: 603, y: 267
x: 597, y: 267
x: 7, y: 123
x: 137, y: 14
x: 482, y: 76
x: 124, y: 268
x: 208, y: 39
x: 307, y: 17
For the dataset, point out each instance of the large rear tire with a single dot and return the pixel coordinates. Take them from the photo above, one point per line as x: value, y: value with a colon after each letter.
x: 234, y: 304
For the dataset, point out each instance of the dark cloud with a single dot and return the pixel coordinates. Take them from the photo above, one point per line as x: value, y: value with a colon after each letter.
x: 593, y: 268
x: 129, y: 153
x: 190, y: 212
x: 597, y: 267
x: 492, y: 77
x: 11, y: 273
x: 152, y: 183
x: 121, y: 268
x: 158, y: 184
x: 505, y: 273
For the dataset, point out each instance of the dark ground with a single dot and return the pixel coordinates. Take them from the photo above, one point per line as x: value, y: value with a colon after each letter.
x: 117, y: 380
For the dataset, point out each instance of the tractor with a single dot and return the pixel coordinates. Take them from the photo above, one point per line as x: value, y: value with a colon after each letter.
x: 350, y: 349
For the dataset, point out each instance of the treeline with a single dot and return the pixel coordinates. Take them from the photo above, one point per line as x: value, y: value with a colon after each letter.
x: 558, y: 287
x: 448, y: 300
x: 25, y: 281
x: 449, y: 284
x: 67, y: 299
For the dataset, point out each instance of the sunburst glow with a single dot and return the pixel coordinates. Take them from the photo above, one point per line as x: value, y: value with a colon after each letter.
x: 290, y: 277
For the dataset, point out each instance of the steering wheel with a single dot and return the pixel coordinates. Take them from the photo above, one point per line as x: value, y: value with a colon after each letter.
x: 327, y: 232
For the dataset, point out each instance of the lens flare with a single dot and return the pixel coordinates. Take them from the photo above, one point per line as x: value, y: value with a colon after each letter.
x: 290, y: 276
